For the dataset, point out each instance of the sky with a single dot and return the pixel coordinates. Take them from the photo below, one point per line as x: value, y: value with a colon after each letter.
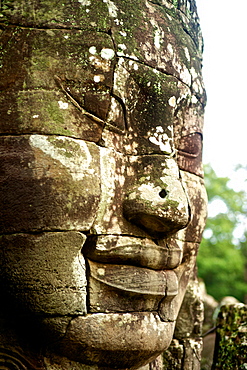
x: 224, y: 29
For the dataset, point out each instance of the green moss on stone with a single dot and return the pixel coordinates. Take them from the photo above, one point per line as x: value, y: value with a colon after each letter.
x: 54, y: 14
x: 231, y: 338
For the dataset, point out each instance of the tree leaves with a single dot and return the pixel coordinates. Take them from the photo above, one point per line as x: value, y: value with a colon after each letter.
x: 221, y: 257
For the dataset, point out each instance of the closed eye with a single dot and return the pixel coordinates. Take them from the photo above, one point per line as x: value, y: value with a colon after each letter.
x: 190, y: 153
x: 191, y: 145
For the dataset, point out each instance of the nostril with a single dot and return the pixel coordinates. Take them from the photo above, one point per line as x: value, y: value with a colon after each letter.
x: 163, y: 193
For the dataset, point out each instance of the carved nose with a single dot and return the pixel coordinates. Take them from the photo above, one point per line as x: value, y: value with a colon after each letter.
x: 157, y: 202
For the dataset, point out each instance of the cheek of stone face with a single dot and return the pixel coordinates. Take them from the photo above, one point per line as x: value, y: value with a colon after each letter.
x: 48, y: 183
x: 44, y: 274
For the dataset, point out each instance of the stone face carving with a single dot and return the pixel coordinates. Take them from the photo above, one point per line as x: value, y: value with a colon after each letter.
x: 102, y: 196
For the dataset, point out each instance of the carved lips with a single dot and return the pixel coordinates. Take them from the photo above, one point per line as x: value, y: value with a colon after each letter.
x: 135, y: 279
x: 128, y: 274
x: 133, y: 251
x: 124, y: 288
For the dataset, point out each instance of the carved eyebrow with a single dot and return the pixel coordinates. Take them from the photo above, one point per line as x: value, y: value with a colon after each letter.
x: 75, y: 103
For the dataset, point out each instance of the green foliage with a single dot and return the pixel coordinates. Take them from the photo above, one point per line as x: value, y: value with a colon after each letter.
x: 222, y: 257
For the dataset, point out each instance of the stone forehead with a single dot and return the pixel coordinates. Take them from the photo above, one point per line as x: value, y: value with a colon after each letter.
x: 152, y: 49
x: 84, y: 13
x: 162, y: 34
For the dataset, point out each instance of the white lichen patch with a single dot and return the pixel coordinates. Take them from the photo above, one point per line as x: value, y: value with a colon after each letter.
x: 112, y: 9
x: 85, y: 2
x: 77, y: 160
x: 101, y: 271
x: 93, y: 50
x: 149, y: 192
x: 157, y: 39
x: 121, y: 61
x: 106, y: 211
x: 107, y: 53
x: 150, y: 7
x: 171, y: 167
x: 122, y: 46
x: 158, y: 33
x: 185, y: 93
x: 118, y: 22
x: 172, y: 101
x: 170, y: 49
x: 159, y: 129
x: 187, y: 54
x: 194, y: 99
x: 121, y: 179
x: 101, y: 246
x: 193, y: 73
x: 146, y: 48
x: 161, y: 139
x: 180, y: 67
x: 197, y: 83
x: 127, y: 318
x: 185, y: 75
x: 123, y: 33
x: 98, y: 78
x: 63, y: 105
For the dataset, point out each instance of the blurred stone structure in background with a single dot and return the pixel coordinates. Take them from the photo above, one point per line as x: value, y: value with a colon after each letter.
x: 231, y: 338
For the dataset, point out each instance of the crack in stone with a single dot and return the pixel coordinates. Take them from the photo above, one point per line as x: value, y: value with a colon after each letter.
x: 40, y: 232
x: 76, y: 104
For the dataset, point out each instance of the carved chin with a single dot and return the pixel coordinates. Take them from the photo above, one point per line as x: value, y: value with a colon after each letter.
x: 122, y: 340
